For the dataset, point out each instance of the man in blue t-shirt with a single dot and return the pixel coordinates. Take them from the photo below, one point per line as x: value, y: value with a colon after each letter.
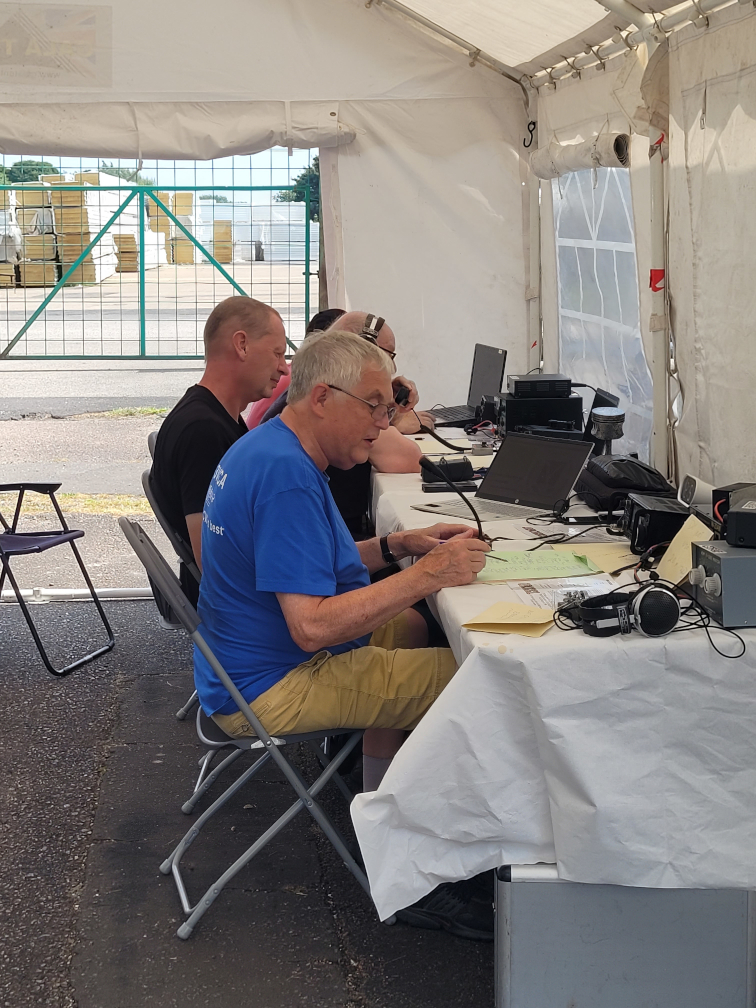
x: 286, y: 601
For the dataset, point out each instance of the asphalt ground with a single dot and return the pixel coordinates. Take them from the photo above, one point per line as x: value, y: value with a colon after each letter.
x: 95, y: 768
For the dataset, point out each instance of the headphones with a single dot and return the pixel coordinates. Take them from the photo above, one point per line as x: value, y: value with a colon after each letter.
x: 373, y: 325
x: 652, y: 610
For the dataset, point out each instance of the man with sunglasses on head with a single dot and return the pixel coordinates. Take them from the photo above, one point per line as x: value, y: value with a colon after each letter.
x: 391, y: 452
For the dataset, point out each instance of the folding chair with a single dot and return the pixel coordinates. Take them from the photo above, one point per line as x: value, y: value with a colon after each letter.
x: 185, y: 555
x: 14, y: 543
x: 270, y: 747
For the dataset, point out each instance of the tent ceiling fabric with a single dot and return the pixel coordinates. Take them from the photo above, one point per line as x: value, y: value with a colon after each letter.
x: 510, y: 30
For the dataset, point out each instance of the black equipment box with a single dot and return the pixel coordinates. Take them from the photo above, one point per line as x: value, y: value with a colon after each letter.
x: 539, y: 386
x: 515, y: 413
x: 486, y: 410
x: 649, y: 521
x: 567, y: 432
x: 721, y: 497
x: 740, y: 520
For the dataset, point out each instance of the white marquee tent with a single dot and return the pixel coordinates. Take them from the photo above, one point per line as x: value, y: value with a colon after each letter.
x: 432, y: 215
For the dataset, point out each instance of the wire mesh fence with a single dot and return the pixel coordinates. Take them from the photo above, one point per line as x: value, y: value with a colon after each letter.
x: 119, y: 259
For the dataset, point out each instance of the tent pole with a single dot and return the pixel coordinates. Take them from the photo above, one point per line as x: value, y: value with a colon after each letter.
x: 533, y: 293
x: 658, y: 324
x: 480, y: 57
x: 666, y: 24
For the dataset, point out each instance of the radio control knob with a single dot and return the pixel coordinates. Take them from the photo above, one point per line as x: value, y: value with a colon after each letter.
x: 697, y: 575
x: 713, y: 585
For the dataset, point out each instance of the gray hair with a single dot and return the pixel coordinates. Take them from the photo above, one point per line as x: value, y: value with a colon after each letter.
x: 334, y: 358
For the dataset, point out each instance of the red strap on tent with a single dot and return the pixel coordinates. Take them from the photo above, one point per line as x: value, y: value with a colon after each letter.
x: 656, y: 282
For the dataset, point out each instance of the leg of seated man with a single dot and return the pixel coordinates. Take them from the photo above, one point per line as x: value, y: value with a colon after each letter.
x: 387, y: 685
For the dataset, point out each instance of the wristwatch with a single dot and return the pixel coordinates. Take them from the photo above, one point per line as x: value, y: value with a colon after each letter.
x: 386, y: 553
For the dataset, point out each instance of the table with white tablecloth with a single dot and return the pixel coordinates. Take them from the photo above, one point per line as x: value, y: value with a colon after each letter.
x: 623, y: 760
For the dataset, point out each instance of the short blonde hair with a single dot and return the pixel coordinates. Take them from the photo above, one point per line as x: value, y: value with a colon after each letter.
x: 334, y: 358
x: 245, y: 312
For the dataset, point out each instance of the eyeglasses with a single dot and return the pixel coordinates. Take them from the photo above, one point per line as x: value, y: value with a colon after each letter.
x: 378, y: 411
x: 374, y: 341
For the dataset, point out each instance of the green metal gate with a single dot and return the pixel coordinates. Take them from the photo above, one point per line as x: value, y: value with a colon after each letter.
x: 149, y: 306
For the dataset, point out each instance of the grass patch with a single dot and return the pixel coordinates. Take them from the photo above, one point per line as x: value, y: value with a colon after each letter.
x: 73, y: 503
x: 137, y: 411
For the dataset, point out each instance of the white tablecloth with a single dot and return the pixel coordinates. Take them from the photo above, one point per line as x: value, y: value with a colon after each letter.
x: 625, y: 760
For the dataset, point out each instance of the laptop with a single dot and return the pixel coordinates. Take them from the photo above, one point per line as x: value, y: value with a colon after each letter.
x: 486, y: 378
x: 527, y: 477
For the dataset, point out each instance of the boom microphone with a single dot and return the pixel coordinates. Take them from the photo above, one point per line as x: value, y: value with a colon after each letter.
x: 428, y: 466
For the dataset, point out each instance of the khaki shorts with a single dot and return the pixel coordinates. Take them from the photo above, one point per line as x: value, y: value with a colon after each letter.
x: 381, y: 685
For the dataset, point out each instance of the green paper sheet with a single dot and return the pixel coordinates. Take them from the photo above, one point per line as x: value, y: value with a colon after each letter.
x: 535, y: 564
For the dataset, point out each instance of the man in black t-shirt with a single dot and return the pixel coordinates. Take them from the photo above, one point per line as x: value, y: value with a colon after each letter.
x: 245, y: 344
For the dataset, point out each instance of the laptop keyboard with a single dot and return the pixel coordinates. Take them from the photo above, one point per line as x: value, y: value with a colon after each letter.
x: 487, y: 510
x: 451, y: 413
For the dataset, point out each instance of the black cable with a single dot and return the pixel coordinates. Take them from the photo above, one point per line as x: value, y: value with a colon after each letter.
x: 425, y: 463
x: 580, y: 384
x: 448, y: 444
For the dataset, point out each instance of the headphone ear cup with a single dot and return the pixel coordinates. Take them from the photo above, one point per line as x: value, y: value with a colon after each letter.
x: 656, y: 611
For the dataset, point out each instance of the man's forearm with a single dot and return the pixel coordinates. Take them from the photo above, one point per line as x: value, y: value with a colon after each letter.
x: 341, y: 618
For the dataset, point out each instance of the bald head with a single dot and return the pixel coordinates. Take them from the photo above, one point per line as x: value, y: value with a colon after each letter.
x: 354, y: 322
x: 234, y: 314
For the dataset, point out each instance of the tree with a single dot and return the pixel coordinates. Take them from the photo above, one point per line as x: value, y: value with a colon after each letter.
x: 132, y: 175
x: 310, y: 178
x: 217, y: 197
x: 29, y: 171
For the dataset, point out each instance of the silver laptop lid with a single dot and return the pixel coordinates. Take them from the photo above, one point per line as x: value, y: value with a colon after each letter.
x: 534, y: 471
x: 487, y: 373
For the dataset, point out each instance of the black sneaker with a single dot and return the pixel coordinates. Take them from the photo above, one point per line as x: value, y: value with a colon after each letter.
x: 462, y: 908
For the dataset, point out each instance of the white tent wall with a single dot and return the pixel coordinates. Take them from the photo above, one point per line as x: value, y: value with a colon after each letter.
x: 712, y: 172
x: 427, y: 201
x: 434, y: 236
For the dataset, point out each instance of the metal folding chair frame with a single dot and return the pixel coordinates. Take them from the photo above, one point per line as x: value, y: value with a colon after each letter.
x: 270, y: 748
x: 181, y: 549
x: 47, y: 489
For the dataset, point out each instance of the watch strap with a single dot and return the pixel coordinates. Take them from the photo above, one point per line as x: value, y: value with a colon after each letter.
x: 386, y: 553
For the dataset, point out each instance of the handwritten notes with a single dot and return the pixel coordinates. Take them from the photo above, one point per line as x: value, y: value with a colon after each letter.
x: 533, y: 564
x: 607, y: 557
x: 676, y: 562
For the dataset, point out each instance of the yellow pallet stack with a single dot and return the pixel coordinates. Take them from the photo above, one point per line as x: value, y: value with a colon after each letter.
x: 127, y: 251
x: 7, y: 274
x: 79, y: 216
x: 181, y: 250
x: 223, y: 246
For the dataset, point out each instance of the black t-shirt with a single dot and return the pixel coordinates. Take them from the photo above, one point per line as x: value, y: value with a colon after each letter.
x: 350, y: 488
x: 192, y: 440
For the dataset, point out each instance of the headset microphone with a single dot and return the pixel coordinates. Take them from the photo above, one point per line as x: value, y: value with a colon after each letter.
x: 438, y: 472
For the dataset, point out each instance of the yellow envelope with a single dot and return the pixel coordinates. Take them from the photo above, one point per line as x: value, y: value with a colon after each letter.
x: 606, y: 556
x: 512, y: 618
x: 675, y: 563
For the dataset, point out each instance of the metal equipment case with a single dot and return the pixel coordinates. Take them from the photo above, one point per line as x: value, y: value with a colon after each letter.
x: 564, y: 944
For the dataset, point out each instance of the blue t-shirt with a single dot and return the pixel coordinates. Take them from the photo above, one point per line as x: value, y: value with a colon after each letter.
x: 269, y: 525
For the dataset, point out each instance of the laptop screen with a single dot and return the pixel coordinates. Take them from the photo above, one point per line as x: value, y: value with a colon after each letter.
x: 487, y: 373
x: 534, y: 471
